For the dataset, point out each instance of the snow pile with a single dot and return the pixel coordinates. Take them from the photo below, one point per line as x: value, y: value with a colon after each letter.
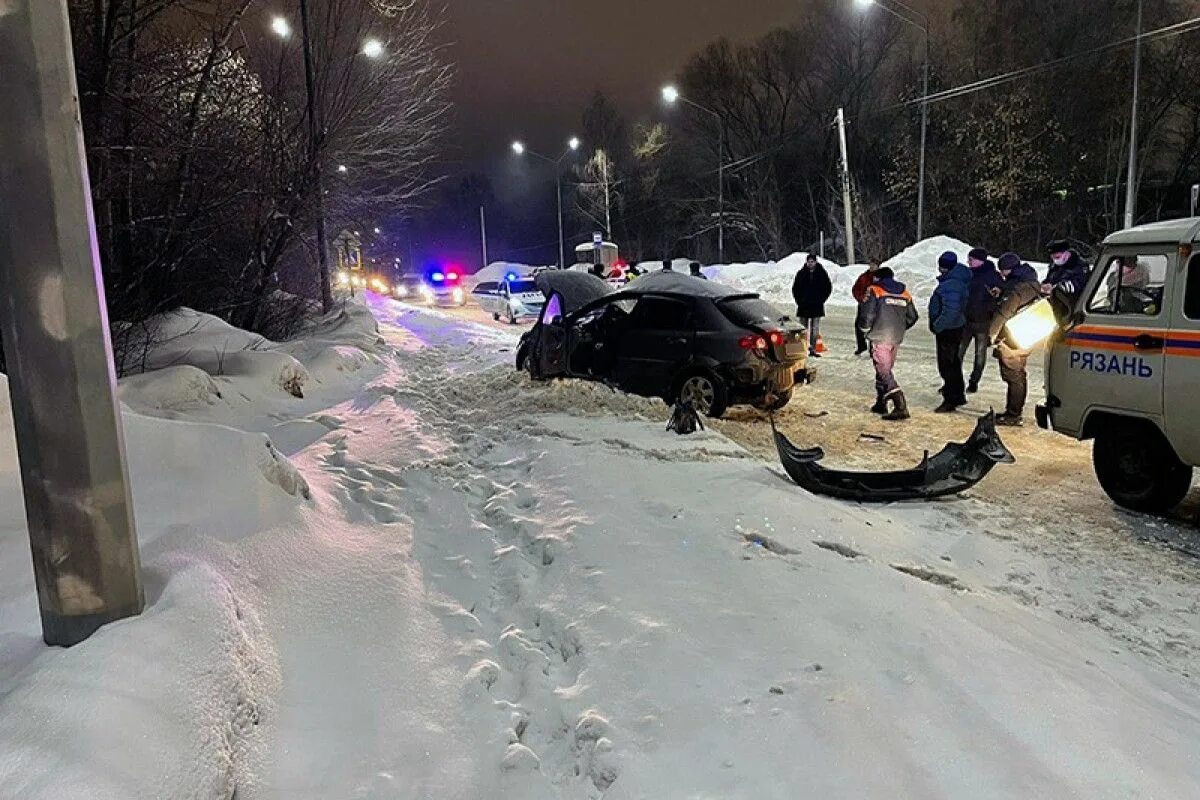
x: 916, y: 266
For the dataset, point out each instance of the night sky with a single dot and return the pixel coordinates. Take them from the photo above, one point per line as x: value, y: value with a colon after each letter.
x: 526, y: 69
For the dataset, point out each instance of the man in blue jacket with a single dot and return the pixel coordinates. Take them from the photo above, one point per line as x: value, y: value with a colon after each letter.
x: 947, y: 320
x: 981, y: 307
x: 884, y: 317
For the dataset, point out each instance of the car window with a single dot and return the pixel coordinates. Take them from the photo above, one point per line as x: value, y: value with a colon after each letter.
x: 1130, y: 284
x: 662, y: 314
x: 751, y: 312
x: 553, y: 310
x: 487, y: 287
x: 1191, y: 294
x: 522, y: 287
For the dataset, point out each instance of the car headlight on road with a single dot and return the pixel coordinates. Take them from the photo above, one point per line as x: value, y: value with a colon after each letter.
x: 457, y: 295
x: 343, y: 278
x: 400, y: 291
x: 427, y: 293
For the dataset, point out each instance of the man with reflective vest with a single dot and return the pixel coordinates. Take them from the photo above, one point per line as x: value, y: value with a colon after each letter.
x: 884, y: 317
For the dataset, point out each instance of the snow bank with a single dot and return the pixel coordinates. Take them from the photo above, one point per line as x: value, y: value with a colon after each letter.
x: 916, y: 266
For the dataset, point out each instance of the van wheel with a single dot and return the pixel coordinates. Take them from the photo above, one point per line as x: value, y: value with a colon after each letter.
x: 706, y: 392
x: 1138, y: 469
x: 495, y: 316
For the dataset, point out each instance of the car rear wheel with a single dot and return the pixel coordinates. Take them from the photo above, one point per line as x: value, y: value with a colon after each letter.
x: 1138, y: 469
x: 496, y: 316
x: 512, y: 317
x: 776, y: 402
x: 706, y: 392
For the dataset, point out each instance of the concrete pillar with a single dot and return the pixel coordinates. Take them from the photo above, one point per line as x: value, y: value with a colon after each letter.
x: 55, y: 332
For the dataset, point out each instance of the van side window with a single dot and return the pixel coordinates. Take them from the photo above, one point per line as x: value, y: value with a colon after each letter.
x: 1191, y: 294
x: 1131, y: 284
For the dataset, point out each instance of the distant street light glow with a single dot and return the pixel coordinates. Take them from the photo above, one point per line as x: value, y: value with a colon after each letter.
x: 372, y: 48
x: 574, y: 143
x: 864, y: 4
x: 670, y: 94
x: 518, y: 148
x: 280, y: 27
x: 342, y: 168
x: 377, y: 231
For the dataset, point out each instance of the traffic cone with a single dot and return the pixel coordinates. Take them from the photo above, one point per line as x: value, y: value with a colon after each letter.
x: 820, y: 348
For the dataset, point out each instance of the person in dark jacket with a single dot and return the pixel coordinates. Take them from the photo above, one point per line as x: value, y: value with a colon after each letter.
x: 694, y: 268
x: 981, y: 307
x: 1021, y: 289
x: 859, y: 292
x: 810, y: 290
x: 947, y: 321
x: 886, y: 315
x: 1067, y: 269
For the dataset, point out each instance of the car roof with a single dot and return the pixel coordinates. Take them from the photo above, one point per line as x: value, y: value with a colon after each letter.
x: 676, y: 283
x: 1186, y: 229
x: 577, y: 288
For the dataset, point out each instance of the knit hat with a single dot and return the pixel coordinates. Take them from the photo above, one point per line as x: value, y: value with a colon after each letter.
x: 1009, y: 262
x: 948, y: 259
x: 978, y: 253
x: 883, y: 273
x: 1058, y: 246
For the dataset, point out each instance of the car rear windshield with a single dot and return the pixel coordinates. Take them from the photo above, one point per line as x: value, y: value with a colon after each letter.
x: 750, y: 312
x: 522, y: 287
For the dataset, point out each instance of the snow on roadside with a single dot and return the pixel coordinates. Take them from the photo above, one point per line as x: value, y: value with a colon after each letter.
x: 465, y: 585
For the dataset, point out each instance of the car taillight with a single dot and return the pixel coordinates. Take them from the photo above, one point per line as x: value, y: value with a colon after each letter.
x: 752, y: 343
x: 776, y: 338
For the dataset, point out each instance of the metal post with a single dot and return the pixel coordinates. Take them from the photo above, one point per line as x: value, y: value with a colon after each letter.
x: 68, y: 429
x: 483, y: 234
x: 1195, y: 197
x: 721, y: 192
x: 607, y: 211
x: 849, y: 212
x: 924, y: 129
x: 562, y: 250
x: 1131, y: 178
x: 822, y: 250
x: 316, y: 135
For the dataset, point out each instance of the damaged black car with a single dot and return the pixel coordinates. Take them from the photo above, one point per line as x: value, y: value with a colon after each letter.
x: 666, y: 335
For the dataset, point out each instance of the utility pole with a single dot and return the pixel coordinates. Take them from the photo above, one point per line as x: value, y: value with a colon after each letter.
x: 607, y: 211
x: 562, y: 251
x: 849, y: 212
x: 68, y: 428
x: 1131, y: 178
x: 721, y: 192
x: 316, y: 136
x: 483, y: 234
x: 924, y: 130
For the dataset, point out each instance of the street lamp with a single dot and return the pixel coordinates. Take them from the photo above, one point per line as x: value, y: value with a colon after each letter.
x: 280, y: 27
x: 671, y: 95
x: 342, y: 168
x: 921, y: 22
x: 573, y: 144
x: 372, y: 48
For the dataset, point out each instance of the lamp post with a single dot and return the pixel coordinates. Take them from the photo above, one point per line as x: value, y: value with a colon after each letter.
x: 921, y: 22
x: 1131, y: 178
x: 573, y: 143
x: 671, y: 95
x: 372, y: 48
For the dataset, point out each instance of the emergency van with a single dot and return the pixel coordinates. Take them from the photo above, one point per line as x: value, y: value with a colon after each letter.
x: 1123, y: 367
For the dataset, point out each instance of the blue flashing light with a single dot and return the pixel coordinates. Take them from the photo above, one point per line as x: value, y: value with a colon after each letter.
x: 437, y: 277
x: 512, y: 276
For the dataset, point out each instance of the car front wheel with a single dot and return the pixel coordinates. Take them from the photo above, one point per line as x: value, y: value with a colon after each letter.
x: 1138, y: 469
x: 706, y: 392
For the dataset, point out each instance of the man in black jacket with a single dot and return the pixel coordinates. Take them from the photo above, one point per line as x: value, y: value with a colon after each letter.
x: 981, y: 307
x: 1067, y: 269
x: 810, y: 290
x: 1020, y: 290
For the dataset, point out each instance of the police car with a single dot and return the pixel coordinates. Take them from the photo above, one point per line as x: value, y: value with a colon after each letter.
x: 1123, y: 367
x: 513, y: 298
x: 442, y: 287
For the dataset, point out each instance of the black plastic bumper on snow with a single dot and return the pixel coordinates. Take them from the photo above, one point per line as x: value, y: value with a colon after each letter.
x: 959, y: 466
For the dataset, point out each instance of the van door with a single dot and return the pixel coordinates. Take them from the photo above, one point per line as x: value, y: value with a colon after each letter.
x: 1183, y: 363
x: 1113, y: 359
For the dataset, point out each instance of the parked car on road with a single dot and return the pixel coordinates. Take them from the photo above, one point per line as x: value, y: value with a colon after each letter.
x: 443, y: 287
x: 666, y: 335
x: 513, y: 298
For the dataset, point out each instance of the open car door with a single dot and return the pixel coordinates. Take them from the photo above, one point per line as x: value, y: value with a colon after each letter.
x: 552, y: 348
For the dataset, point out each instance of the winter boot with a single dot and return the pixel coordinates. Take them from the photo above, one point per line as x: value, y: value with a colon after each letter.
x: 947, y: 407
x: 899, y: 407
x: 880, y: 406
x: 1009, y: 420
x: 972, y: 387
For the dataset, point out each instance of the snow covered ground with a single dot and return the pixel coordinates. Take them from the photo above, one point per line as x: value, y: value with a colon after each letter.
x: 423, y: 576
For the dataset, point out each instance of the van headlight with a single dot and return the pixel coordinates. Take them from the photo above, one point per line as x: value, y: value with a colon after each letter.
x: 1032, y: 325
